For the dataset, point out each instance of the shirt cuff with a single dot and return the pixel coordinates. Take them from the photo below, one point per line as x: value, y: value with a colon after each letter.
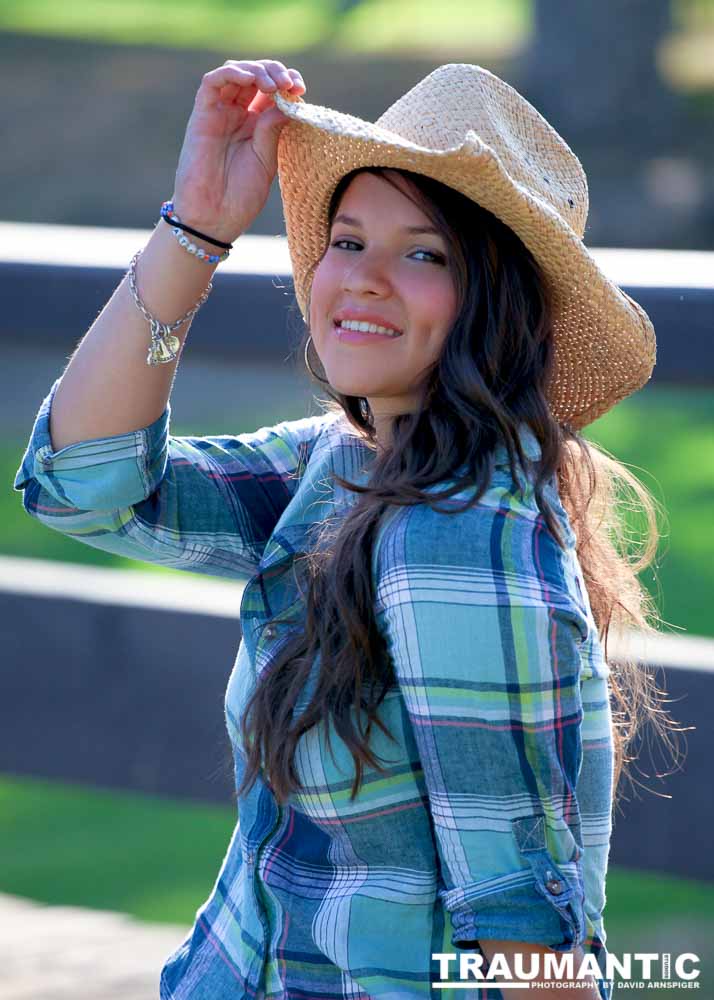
x: 101, y: 473
x: 543, y: 904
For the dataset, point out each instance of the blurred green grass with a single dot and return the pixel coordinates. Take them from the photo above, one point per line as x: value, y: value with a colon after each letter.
x: 665, y: 436
x: 154, y: 858
x: 289, y: 25
x: 158, y: 859
x: 487, y: 28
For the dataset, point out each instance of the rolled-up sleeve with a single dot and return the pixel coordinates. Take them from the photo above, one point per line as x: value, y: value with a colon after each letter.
x: 204, y: 504
x: 485, y: 641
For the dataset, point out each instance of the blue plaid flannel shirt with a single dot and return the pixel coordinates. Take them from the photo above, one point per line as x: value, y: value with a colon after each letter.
x: 494, y: 818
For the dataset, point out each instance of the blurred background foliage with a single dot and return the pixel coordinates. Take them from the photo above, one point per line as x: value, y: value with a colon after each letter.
x: 291, y: 25
x: 490, y: 27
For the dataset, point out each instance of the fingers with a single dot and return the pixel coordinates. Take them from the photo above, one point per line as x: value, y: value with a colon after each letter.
x: 247, y: 83
x: 278, y: 73
x: 270, y: 75
x: 298, y: 82
x: 267, y: 75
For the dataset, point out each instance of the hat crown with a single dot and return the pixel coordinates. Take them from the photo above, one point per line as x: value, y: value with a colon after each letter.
x: 460, y: 104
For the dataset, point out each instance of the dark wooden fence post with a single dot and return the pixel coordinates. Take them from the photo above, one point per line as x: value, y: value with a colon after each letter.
x: 592, y: 65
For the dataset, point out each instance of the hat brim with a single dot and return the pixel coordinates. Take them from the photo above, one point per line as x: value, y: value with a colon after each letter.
x: 604, y: 342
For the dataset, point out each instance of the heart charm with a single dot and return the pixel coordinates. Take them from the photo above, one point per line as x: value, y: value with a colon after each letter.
x: 163, y: 350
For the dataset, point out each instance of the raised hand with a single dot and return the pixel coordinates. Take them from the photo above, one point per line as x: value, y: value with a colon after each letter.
x: 229, y: 155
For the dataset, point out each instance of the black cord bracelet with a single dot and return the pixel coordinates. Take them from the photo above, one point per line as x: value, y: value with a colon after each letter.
x: 166, y: 214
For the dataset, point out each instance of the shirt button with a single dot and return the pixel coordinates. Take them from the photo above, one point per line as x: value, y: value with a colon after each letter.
x: 270, y: 631
x: 554, y: 886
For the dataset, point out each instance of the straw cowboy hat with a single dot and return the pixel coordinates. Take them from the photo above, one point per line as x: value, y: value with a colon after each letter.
x: 467, y: 128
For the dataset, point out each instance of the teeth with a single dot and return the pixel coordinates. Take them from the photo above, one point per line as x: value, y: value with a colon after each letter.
x: 351, y: 324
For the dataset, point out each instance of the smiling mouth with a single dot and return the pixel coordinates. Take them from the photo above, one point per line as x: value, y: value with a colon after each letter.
x: 364, y: 331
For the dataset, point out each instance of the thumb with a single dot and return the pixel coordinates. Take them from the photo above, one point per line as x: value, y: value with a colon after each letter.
x: 269, y: 124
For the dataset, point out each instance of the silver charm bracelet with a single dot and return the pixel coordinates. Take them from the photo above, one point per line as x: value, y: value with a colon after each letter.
x: 164, y: 346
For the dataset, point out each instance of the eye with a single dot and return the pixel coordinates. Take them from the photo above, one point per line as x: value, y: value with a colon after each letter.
x: 437, y: 258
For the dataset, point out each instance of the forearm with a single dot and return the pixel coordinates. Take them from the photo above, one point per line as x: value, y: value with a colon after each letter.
x: 107, y: 387
x: 585, y: 989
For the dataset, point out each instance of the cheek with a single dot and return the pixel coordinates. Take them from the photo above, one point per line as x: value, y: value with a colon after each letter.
x: 324, y: 284
x: 425, y: 289
x: 433, y: 306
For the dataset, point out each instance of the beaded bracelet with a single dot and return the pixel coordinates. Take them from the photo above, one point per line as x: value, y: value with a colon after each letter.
x: 178, y: 227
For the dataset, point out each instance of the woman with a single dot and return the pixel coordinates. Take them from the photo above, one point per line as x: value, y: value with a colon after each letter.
x: 425, y: 754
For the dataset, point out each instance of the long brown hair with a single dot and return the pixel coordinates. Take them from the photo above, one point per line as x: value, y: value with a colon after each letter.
x: 492, y: 374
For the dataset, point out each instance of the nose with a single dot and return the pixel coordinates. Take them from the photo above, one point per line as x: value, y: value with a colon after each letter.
x: 367, y: 275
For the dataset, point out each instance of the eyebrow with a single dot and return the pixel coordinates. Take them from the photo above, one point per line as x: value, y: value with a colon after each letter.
x: 349, y: 220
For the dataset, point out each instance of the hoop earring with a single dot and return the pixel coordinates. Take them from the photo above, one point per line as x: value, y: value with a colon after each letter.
x: 309, y: 366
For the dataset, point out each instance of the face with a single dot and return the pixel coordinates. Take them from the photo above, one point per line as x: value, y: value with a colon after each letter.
x: 379, y: 269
